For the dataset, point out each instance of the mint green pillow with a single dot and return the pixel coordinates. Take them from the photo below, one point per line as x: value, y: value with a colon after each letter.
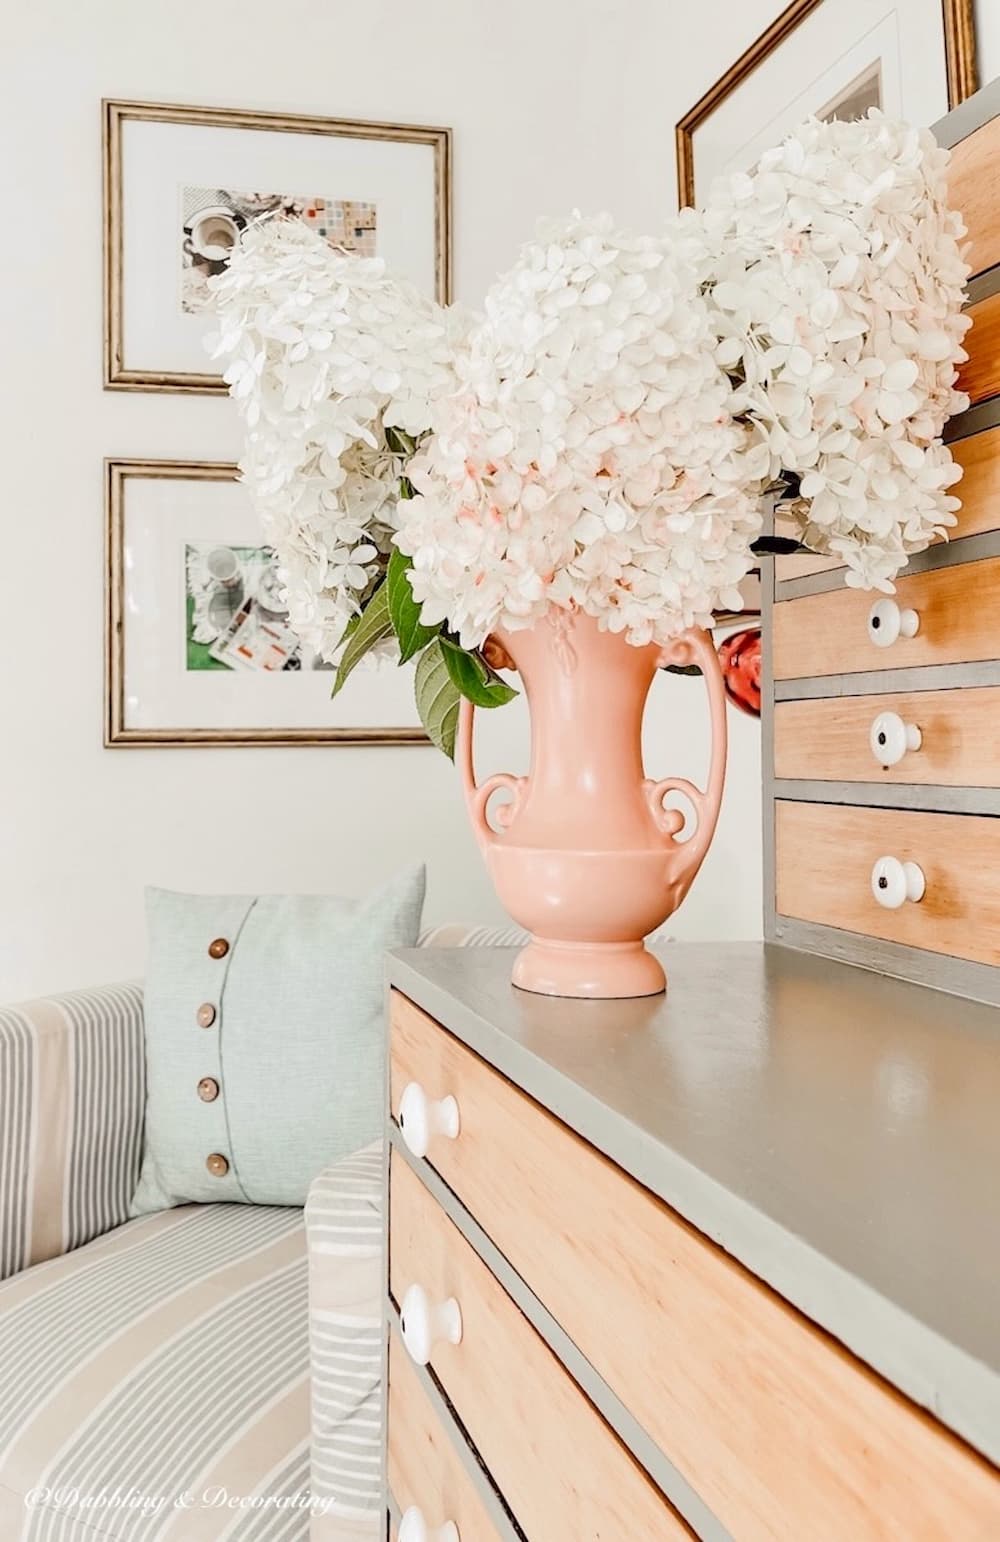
x: 264, y: 1022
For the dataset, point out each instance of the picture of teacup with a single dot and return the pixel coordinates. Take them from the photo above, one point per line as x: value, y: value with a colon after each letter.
x: 214, y: 233
x: 224, y: 566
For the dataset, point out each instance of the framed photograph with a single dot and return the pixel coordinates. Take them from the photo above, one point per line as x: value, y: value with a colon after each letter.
x: 916, y: 59
x: 199, y: 649
x: 181, y: 183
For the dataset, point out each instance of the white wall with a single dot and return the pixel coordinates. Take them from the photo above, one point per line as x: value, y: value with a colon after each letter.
x: 987, y: 39
x: 554, y: 103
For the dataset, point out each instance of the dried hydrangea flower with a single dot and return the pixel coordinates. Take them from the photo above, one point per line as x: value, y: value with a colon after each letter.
x: 604, y: 436
x: 327, y: 355
x: 837, y: 276
x: 591, y: 458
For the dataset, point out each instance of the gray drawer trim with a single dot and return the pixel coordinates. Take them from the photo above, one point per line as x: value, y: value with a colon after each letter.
x: 663, y: 1473
x: 975, y: 420
x: 982, y: 287
x: 939, y: 971
x: 898, y: 795
x: 876, y: 682
x: 970, y: 548
x: 968, y: 116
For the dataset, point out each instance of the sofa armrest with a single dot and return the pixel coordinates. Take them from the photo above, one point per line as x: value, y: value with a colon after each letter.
x: 469, y: 934
x: 345, y: 1239
x: 72, y: 1095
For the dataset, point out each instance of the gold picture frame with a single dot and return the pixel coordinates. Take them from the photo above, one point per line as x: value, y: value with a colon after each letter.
x: 117, y: 731
x: 118, y: 374
x: 960, y: 64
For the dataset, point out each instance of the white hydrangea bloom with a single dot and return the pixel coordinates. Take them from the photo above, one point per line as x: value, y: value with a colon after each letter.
x: 604, y: 436
x: 591, y: 457
x: 326, y: 353
x: 837, y: 277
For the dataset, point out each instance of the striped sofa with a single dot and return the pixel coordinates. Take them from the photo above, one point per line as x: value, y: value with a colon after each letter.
x: 208, y: 1372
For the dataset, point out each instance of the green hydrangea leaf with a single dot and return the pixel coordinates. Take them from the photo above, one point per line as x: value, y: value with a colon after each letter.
x: 404, y: 612
x: 437, y: 697
x: 474, y: 677
x: 375, y: 623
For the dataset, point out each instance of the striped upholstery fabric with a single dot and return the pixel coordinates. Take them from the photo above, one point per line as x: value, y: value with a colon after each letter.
x: 344, y: 1227
x: 72, y: 1094
x: 458, y: 934
x: 168, y: 1359
x: 159, y: 1383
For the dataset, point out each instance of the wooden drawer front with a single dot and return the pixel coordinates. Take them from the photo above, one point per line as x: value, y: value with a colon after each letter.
x: 825, y: 854
x: 974, y: 187
x: 799, y: 564
x: 979, y: 490
x: 827, y: 634
x: 980, y: 374
x: 563, y: 1473
x: 827, y: 739
x: 781, y: 1432
x: 424, y: 1467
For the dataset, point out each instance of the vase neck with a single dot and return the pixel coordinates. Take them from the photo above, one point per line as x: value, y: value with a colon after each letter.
x: 586, y: 692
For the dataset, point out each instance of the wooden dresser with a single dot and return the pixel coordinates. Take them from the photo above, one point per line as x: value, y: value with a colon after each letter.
x: 721, y: 1264
x: 882, y: 714
x: 726, y: 1264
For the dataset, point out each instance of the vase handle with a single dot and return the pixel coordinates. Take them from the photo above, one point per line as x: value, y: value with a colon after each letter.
x: 695, y: 646
x: 477, y: 797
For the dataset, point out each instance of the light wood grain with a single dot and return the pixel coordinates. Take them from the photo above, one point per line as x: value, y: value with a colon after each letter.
x: 798, y: 564
x: 980, y: 375
x: 974, y: 187
x: 828, y: 738
x: 825, y: 854
x: 424, y: 1469
x: 827, y: 634
x: 979, y: 489
x: 563, y: 1472
x: 781, y: 1432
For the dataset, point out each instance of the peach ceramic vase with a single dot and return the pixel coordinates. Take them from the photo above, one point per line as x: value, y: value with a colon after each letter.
x: 586, y: 856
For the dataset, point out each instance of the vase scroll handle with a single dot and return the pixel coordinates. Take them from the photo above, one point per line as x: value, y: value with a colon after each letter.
x: 477, y: 797
x: 696, y: 647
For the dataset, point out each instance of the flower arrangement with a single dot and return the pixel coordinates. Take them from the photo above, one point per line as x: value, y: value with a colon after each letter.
x: 335, y: 368
x: 836, y: 277
x: 605, y: 435
x: 592, y: 455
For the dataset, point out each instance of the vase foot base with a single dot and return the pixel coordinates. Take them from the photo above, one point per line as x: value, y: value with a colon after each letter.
x: 608, y: 971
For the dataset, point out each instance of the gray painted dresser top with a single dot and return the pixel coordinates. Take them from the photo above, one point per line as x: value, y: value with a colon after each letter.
x: 836, y: 1131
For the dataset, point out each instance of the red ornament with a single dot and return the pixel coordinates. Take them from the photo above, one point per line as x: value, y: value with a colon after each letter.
x: 739, y: 656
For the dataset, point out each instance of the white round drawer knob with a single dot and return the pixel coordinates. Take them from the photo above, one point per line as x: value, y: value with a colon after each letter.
x: 891, y: 738
x: 413, y: 1528
x: 421, y: 1118
x: 887, y: 623
x: 895, y: 882
x: 423, y: 1324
